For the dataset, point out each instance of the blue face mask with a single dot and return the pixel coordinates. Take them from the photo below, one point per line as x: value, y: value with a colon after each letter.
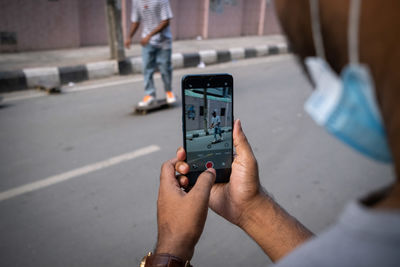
x: 346, y: 108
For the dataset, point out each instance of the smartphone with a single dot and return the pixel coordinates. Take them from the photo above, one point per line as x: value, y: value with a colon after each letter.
x: 207, y: 123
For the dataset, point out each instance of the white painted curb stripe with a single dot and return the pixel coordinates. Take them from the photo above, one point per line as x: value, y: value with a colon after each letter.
x: 237, y: 53
x: 177, y: 60
x: 77, y: 172
x: 45, y: 77
x: 137, y: 64
x: 208, y: 56
x: 101, y: 69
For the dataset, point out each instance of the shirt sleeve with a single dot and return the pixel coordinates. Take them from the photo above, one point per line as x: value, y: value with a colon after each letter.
x: 166, y: 12
x: 135, y: 16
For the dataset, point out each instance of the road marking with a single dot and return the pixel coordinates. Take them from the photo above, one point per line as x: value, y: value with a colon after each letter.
x: 81, y: 88
x: 23, y: 96
x: 77, y: 172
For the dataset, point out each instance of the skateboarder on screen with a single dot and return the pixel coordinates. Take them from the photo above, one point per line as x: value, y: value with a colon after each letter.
x: 216, y: 124
x: 157, y: 45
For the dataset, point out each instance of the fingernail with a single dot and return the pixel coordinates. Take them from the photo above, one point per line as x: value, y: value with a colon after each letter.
x: 212, y: 170
x: 181, y: 168
x: 239, y: 124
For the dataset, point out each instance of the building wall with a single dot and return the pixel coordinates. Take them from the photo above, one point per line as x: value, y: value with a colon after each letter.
x: 27, y: 25
x: 40, y: 24
x: 92, y: 22
x: 188, y: 21
x: 271, y: 24
x: 226, y: 21
x: 251, y: 17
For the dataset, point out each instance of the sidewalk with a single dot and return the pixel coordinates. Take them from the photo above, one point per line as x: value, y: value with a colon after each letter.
x: 49, y: 69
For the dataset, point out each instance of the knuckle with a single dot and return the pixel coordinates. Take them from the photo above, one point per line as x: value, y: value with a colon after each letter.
x: 164, y: 166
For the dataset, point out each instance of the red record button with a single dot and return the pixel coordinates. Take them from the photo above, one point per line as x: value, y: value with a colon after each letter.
x: 209, y: 164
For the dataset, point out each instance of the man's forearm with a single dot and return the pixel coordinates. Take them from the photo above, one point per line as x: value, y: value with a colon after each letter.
x: 133, y: 29
x: 163, y: 24
x: 275, y: 231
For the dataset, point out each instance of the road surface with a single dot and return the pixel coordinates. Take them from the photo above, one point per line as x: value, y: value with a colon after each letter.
x: 80, y: 173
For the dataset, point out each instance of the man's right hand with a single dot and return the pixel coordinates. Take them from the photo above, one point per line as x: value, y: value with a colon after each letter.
x: 234, y: 199
x: 128, y: 43
x: 243, y: 202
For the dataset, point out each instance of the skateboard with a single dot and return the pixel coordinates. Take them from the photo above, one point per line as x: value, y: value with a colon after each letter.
x: 214, y: 142
x: 158, y: 104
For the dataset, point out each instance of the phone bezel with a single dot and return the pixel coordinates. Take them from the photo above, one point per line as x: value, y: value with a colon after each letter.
x: 206, y: 81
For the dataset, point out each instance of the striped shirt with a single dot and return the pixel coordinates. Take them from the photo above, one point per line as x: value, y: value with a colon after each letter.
x: 150, y: 13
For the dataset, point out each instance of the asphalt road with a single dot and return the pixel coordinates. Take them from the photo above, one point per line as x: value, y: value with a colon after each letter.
x: 80, y: 173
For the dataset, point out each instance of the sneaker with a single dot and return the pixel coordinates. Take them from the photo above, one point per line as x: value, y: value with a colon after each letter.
x: 170, y: 98
x: 147, y: 100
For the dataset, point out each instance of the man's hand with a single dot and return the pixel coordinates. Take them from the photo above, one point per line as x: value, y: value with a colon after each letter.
x: 232, y: 200
x: 243, y: 202
x: 181, y: 216
x: 128, y: 42
x: 145, y: 40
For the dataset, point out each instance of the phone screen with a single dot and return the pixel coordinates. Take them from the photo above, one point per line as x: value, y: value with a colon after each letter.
x: 207, y: 124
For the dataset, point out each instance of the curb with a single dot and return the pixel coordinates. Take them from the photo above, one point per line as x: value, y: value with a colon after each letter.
x: 53, y: 77
x: 201, y: 133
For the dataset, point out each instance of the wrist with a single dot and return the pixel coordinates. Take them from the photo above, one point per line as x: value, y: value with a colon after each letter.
x: 161, y: 260
x: 257, y: 206
x: 178, y: 249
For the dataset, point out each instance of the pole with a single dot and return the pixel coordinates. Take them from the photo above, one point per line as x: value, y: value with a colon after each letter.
x: 115, y: 36
x: 205, y: 111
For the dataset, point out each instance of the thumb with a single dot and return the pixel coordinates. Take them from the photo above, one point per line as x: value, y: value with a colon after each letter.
x: 240, y: 142
x: 201, y: 190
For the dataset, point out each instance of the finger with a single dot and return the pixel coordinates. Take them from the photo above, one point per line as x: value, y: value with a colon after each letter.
x: 240, y: 142
x: 182, y: 167
x: 183, y: 181
x: 181, y: 154
x: 167, y: 176
x: 201, y: 190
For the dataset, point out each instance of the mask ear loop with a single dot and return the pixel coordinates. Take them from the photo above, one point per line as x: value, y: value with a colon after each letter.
x: 353, y: 31
x: 316, y: 29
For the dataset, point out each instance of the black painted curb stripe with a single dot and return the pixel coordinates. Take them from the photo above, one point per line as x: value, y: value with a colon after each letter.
x: 77, y: 73
x: 250, y: 52
x: 191, y: 60
x: 223, y: 56
x: 125, y: 67
x: 273, y: 50
x: 16, y: 80
x: 11, y: 81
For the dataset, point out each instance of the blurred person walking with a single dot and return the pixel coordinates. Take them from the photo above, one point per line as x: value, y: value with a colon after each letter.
x: 216, y: 124
x: 156, y: 40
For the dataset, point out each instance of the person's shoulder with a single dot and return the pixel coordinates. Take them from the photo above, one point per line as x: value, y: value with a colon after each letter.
x: 360, y: 237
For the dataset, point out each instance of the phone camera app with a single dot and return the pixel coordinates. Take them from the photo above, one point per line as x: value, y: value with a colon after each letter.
x: 208, y: 116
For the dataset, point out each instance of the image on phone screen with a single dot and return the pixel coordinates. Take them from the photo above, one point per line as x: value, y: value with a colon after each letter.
x: 208, y: 128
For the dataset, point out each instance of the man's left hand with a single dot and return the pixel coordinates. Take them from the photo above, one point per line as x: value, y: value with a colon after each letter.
x: 145, y: 40
x: 181, y: 216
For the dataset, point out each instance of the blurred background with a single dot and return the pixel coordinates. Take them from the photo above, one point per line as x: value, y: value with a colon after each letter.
x: 54, y: 24
x: 79, y: 170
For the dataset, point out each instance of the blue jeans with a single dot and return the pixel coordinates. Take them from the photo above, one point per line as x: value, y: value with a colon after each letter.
x: 156, y: 57
x: 217, y: 130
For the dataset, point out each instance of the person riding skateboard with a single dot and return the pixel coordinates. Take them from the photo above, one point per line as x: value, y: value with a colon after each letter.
x: 156, y: 44
x: 216, y: 124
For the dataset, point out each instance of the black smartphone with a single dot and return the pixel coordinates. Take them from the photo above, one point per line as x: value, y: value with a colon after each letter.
x: 207, y: 122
